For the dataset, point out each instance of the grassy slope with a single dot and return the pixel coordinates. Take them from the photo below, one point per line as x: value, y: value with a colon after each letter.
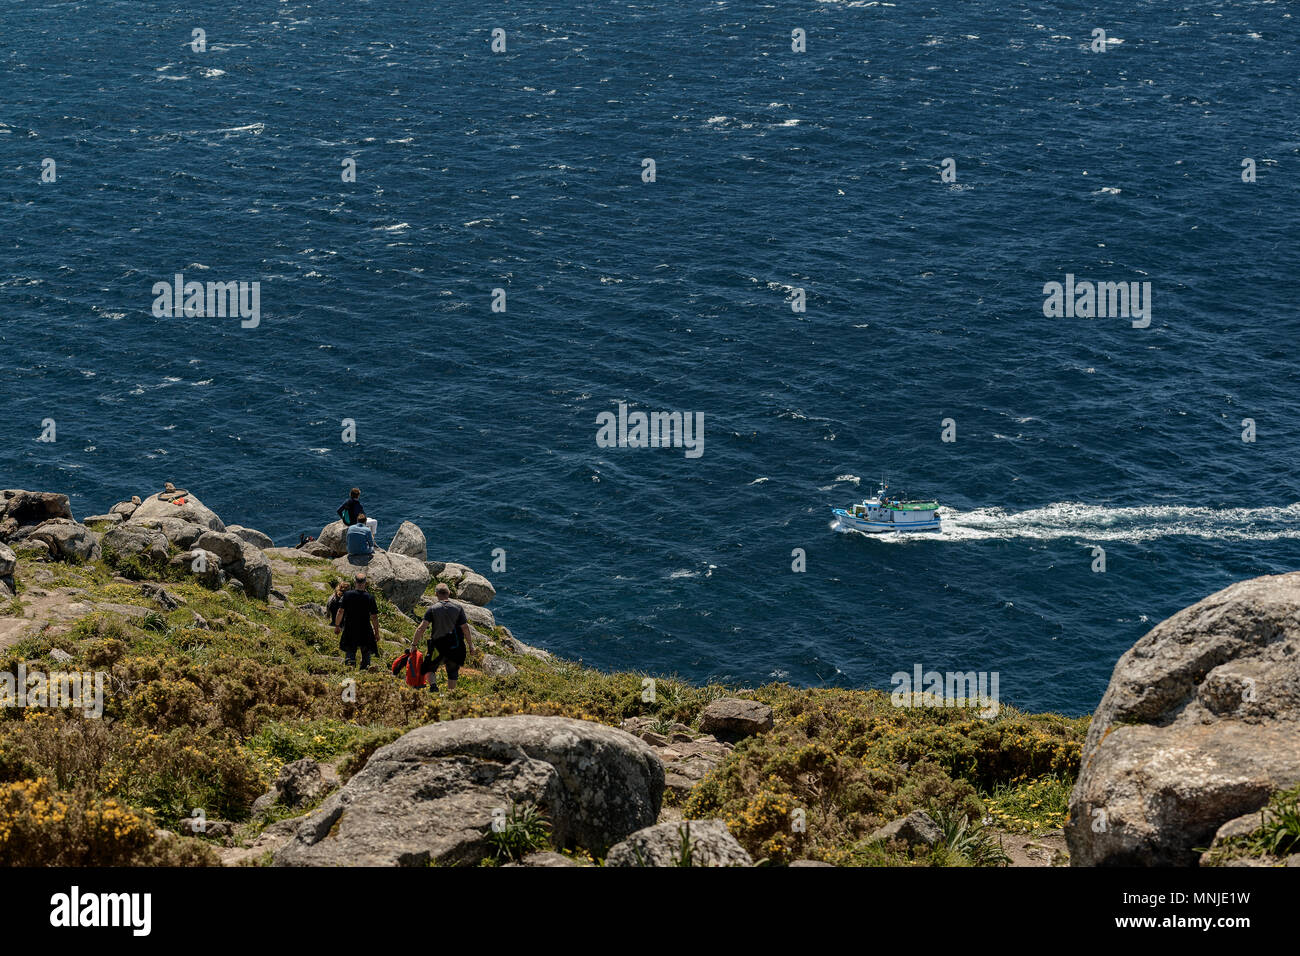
x: 205, y: 716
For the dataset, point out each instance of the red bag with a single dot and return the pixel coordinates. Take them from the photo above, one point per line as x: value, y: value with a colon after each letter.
x: 413, y: 663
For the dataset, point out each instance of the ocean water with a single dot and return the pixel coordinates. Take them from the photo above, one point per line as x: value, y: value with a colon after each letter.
x: 775, y: 171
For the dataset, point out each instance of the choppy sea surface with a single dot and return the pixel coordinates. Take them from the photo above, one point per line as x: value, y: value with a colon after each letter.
x: 774, y: 171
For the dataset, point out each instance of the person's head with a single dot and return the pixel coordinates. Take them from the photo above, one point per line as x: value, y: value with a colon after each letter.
x: 359, y: 581
x: 356, y: 492
x: 442, y: 591
x: 361, y: 517
x: 336, y: 585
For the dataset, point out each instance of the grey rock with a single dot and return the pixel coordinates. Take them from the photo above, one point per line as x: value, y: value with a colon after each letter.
x: 498, y: 667
x: 516, y: 646
x: 124, y: 508
x: 252, y: 536
x: 20, y: 508
x: 409, y: 541
x: 240, y: 560
x: 301, y: 783
x: 661, y: 845
x: 811, y: 863
x: 163, y: 597
x: 146, y: 544
x: 469, y: 585
x: 177, y: 531
x: 316, y: 610
x: 432, y: 793
x: 917, y: 829
x: 400, y: 579
x: 65, y: 539
x: 111, y: 518
x: 193, y: 511
x: 331, y: 542
x: 1200, y: 725
x: 8, y: 561
x: 546, y: 858
x: 60, y: 655
x: 731, y: 718
x: 204, y: 565
x: 475, y: 589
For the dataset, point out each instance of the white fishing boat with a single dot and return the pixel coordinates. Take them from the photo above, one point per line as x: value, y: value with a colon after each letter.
x: 887, y: 513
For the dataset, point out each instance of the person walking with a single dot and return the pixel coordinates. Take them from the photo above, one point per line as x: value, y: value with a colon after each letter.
x: 450, y: 641
x: 357, y: 622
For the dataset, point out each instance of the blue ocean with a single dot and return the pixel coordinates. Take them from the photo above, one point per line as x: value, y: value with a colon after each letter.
x: 914, y: 177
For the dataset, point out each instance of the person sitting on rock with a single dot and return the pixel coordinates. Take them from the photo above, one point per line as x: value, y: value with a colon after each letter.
x: 360, y: 539
x: 351, y: 511
x: 356, y: 622
x: 450, y: 642
x: 170, y: 494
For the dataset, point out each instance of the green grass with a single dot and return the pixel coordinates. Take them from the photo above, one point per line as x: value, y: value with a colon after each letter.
x: 207, y: 716
x: 1031, y: 806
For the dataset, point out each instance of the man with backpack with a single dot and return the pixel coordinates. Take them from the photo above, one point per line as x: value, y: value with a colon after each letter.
x: 351, y: 509
x: 357, y: 623
x: 450, y: 642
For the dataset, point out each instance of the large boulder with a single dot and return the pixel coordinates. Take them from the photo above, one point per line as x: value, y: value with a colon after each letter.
x: 409, y: 540
x: 125, y: 508
x: 432, y: 794
x: 240, y: 560
x: 146, y: 544
x: 251, y: 535
x: 331, y: 542
x: 204, y: 565
x: 179, y: 532
x: 300, y: 783
x: 476, y: 589
x: 193, y: 511
x: 400, y: 579
x: 469, y: 585
x: 1200, y: 724
x: 19, y: 508
x: 67, y: 540
x: 710, y: 844
x: 731, y: 718
x: 8, y: 561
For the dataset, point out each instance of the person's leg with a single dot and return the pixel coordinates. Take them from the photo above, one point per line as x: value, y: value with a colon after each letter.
x: 431, y: 663
x: 453, y: 669
x: 365, y: 656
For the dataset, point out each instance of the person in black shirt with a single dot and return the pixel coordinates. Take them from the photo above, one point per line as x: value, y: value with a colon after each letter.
x: 351, y: 509
x: 451, y: 641
x: 357, y: 623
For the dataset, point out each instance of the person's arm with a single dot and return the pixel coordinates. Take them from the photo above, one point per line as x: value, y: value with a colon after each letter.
x: 419, y: 633
x: 338, y: 621
x: 466, y: 630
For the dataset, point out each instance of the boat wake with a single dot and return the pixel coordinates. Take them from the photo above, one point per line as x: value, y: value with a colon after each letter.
x: 1101, y: 523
